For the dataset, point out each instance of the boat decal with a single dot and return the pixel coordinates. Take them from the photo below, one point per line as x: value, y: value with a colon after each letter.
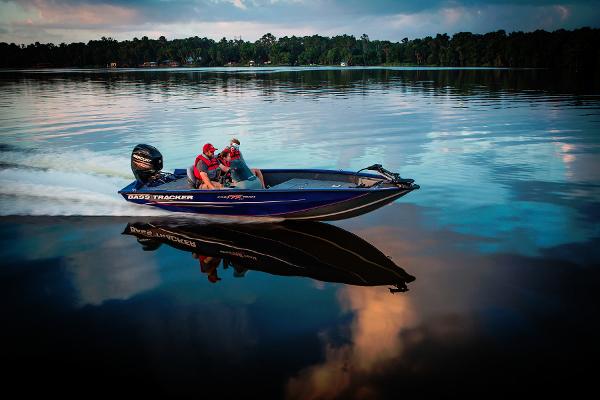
x: 154, y: 197
x: 236, y: 197
x: 159, y: 235
x: 140, y: 158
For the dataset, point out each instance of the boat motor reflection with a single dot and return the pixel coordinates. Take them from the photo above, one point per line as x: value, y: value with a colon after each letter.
x: 315, y: 250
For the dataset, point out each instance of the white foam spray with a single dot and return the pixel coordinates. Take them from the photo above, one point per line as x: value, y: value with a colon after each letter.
x: 80, y: 183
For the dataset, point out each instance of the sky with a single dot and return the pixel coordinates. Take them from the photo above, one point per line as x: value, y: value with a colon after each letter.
x: 56, y: 21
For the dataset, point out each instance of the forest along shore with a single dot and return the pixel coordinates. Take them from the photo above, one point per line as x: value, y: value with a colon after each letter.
x: 574, y: 50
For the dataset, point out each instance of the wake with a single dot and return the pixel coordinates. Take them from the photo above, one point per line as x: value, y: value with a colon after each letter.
x: 84, y: 183
x: 52, y: 183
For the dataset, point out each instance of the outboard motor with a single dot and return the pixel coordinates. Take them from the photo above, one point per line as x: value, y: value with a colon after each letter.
x: 146, y: 162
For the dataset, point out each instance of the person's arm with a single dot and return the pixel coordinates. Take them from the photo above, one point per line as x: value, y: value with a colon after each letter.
x: 205, y: 180
x: 224, y: 168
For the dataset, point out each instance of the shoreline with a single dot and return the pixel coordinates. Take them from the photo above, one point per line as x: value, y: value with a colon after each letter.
x: 282, y: 67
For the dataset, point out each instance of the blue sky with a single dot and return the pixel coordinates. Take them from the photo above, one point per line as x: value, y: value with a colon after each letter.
x: 26, y: 21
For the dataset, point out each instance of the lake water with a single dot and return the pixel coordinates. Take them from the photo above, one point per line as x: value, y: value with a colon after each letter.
x: 502, y: 237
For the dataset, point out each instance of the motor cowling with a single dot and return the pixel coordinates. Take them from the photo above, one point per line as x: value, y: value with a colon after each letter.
x: 146, y: 162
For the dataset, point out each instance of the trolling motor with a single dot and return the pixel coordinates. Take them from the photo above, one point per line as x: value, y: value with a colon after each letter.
x: 391, y: 177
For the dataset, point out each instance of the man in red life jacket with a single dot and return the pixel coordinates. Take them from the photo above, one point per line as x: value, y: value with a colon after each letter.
x: 234, y: 149
x: 209, y: 265
x: 207, y: 167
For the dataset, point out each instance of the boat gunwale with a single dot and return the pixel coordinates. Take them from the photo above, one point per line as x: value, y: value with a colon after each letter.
x: 129, y: 188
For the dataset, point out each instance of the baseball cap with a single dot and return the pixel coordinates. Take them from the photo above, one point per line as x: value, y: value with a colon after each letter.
x: 208, y: 147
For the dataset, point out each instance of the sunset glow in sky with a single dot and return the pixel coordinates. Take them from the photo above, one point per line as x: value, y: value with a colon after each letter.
x: 27, y: 21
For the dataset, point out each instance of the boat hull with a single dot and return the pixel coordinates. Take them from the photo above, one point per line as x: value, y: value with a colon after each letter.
x: 300, y: 204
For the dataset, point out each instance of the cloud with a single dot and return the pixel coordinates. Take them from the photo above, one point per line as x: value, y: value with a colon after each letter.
x: 69, y: 20
x: 239, y: 4
x: 67, y: 15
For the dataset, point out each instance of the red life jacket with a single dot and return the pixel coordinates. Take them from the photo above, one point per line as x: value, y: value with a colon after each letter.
x: 211, y: 163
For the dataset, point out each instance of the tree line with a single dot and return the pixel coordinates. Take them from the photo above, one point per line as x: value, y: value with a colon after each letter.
x: 575, y: 50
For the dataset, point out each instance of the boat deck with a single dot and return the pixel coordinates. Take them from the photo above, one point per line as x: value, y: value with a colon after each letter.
x: 290, y: 184
x: 178, y: 184
x: 298, y: 184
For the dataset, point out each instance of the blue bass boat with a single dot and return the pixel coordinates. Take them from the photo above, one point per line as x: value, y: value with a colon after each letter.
x: 291, y: 194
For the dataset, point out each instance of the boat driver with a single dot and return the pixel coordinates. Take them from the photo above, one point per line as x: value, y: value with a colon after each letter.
x: 207, y: 168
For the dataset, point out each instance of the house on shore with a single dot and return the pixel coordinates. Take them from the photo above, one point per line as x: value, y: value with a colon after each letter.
x: 170, y: 64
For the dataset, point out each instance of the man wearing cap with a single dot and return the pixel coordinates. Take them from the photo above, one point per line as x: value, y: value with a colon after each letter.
x: 207, y: 167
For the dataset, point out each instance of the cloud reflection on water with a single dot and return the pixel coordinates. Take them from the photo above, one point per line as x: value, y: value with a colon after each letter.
x: 99, y: 278
x: 375, y: 339
x: 506, y: 154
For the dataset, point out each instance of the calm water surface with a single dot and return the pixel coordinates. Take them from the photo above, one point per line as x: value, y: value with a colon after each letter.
x: 502, y: 238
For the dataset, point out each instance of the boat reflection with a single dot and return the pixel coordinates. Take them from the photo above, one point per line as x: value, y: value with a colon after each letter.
x: 316, y: 250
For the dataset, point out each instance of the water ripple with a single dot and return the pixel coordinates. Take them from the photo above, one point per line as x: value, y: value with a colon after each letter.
x: 474, y: 139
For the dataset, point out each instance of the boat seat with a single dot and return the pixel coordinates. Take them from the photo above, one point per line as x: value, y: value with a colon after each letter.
x: 192, y: 180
